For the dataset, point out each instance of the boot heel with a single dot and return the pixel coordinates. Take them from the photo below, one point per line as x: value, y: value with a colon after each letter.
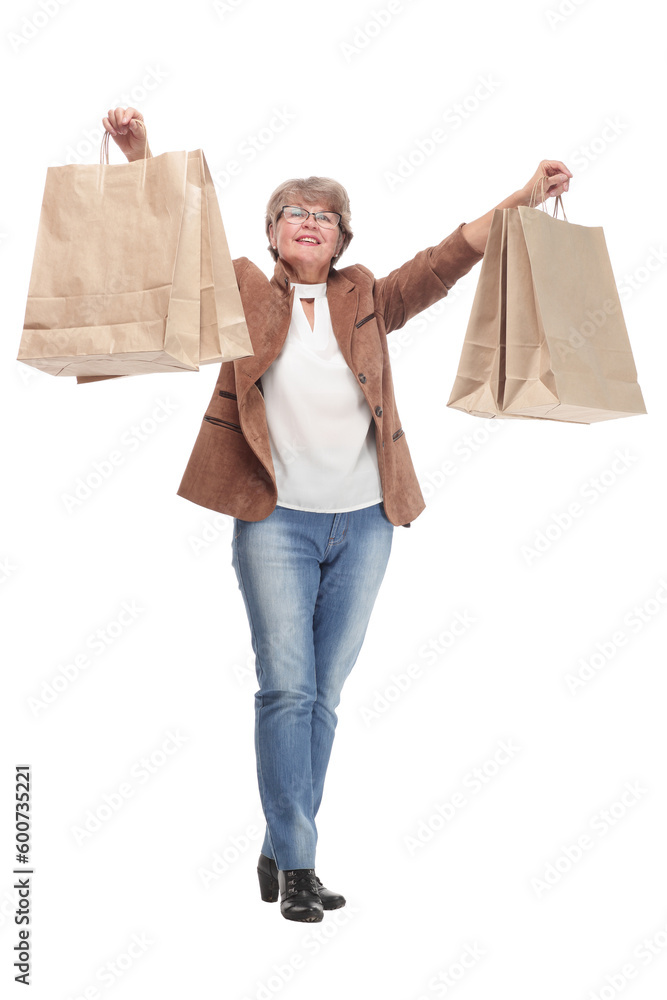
x: 268, y: 886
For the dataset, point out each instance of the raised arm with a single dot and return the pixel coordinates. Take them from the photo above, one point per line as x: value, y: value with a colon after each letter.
x: 422, y: 281
x: 425, y: 279
x: 550, y: 180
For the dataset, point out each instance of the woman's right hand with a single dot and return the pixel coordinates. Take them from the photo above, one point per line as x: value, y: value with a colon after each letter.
x: 127, y: 127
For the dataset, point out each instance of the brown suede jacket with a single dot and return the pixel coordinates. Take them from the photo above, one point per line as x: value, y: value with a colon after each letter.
x: 231, y: 469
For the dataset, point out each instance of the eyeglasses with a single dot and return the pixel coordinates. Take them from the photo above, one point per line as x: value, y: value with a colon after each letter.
x: 295, y: 215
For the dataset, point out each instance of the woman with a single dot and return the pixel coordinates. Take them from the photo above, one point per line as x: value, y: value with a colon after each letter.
x: 302, y: 444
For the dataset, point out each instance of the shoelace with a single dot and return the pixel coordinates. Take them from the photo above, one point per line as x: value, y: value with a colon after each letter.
x: 301, y: 882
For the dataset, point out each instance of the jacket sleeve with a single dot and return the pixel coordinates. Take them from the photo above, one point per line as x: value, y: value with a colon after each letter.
x: 425, y: 279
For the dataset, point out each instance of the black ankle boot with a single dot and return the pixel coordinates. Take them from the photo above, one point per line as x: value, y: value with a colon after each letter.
x: 267, y: 872
x: 299, y: 898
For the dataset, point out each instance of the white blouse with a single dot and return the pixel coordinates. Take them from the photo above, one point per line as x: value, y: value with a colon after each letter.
x: 321, y: 431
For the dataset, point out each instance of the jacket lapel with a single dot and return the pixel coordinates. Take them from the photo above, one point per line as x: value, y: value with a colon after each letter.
x: 343, y: 297
x: 271, y: 307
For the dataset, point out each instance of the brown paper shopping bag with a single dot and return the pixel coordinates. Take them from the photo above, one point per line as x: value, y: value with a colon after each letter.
x: 131, y: 272
x: 546, y: 336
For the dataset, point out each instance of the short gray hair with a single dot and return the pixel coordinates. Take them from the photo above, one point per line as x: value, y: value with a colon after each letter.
x: 311, y: 190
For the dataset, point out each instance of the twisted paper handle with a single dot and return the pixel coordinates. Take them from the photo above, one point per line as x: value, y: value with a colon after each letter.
x: 557, y: 202
x: 104, y: 149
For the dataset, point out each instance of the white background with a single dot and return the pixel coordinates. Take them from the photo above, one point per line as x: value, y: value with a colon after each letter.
x: 585, y: 86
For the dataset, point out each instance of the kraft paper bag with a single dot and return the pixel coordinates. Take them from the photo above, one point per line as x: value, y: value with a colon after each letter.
x: 131, y: 272
x: 546, y: 336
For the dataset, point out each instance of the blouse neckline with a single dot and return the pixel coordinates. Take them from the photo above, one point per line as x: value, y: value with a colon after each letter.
x: 302, y: 291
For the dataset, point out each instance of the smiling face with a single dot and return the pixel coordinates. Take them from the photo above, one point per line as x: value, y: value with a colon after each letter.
x: 307, y: 247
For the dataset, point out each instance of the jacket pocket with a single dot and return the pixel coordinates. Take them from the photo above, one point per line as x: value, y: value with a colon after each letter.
x: 227, y: 395
x: 366, y: 319
x: 223, y: 423
x: 397, y: 434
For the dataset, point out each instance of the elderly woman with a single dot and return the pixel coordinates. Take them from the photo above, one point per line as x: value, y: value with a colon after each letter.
x: 303, y: 446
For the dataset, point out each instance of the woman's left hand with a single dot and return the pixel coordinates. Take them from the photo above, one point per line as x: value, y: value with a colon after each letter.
x: 556, y: 181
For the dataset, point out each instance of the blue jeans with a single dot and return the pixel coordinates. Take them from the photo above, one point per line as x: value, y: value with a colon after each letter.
x: 309, y: 581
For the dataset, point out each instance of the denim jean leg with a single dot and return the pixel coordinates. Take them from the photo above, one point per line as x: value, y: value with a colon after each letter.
x: 277, y: 567
x: 352, y: 573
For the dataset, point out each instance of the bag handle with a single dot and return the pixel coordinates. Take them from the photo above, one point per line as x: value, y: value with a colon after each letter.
x: 557, y: 202
x: 104, y: 148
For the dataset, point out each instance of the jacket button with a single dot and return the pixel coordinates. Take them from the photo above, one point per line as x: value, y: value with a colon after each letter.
x: 378, y: 411
x: 362, y: 377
